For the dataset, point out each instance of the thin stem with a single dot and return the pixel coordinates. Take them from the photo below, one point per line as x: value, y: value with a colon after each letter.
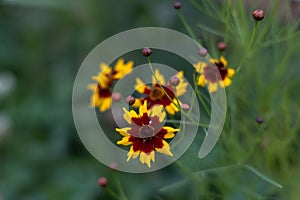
x: 113, y: 194
x: 179, y: 121
x: 248, y: 47
x: 152, y: 71
x: 183, y: 131
x: 120, y: 188
x: 188, y: 28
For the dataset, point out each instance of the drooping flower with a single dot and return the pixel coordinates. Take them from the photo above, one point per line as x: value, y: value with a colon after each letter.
x: 101, y: 96
x: 214, y: 74
x: 160, y: 92
x: 146, y: 133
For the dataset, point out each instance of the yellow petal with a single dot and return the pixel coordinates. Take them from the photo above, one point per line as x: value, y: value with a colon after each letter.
x: 159, y: 77
x: 124, y: 141
x: 170, y: 132
x: 199, y: 67
x: 143, y: 109
x: 201, y: 81
x: 140, y: 86
x: 146, y: 158
x: 171, y: 129
x: 105, y: 104
x: 137, y: 103
x: 128, y: 115
x: 92, y: 87
x: 165, y: 149
x: 123, y: 131
x: 224, y: 61
x: 181, y: 88
x: 226, y: 82
x: 158, y: 110
x: 170, y: 110
x: 174, y: 105
x: 212, y: 87
x: 122, y: 68
x: 94, y: 101
x: 213, y: 60
x: 104, y: 68
x: 103, y: 76
x: 230, y: 72
x: 132, y: 154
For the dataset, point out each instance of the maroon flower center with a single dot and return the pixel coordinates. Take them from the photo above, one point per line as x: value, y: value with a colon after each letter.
x: 103, y: 92
x: 156, y: 94
x: 146, y: 131
x: 214, y: 74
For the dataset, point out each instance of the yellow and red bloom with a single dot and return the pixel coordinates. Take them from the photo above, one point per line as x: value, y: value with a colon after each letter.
x: 212, y: 76
x: 146, y: 133
x: 160, y: 92
x: 101, y: 96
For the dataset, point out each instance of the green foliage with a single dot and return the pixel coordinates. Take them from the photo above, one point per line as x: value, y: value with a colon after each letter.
x: 43, y: 45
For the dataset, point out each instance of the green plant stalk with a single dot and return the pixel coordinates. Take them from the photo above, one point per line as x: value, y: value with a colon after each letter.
x: 113, y: 194
x: 119, y: 187
x: 178, y: 122
x: 248, y: 47
x: 183, y: 131
x: 188, y: 28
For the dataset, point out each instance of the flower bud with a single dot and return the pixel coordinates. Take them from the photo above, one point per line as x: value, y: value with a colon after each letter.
x: 146, y: 52
x: 258, y: 14
x: 202, y: 52
x: 130, y: 100
x: 185, y: 107
x: 259, y: 120
x: 222, y: 46
x: 174, y: 81
x: 177, y: 5
x: 113, y: 166
x: 103, y: 182
x: 116, y: 96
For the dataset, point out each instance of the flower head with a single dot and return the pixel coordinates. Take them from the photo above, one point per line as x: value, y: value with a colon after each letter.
x: 146, y: 133
x: 160, y: 92
x: 258, y: 14
x: 213, y: 76
x: 101, y: 96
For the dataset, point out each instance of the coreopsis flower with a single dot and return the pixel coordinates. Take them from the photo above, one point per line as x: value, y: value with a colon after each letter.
x: 146, y: 133
x: 101, y: 96
x: 212, y: 76
x: 160, y: 92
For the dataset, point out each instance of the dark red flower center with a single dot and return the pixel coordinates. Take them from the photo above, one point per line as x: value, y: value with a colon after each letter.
x: 215, y: 74
x: 156, y: 93
x: 103, y: 92
x: 146, y: 131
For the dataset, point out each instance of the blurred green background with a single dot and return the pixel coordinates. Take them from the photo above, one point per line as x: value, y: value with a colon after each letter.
x: 42, y: 44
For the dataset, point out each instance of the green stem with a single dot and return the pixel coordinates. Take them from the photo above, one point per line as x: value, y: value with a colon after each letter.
x: 188, y: 28
x: 113, y: 194
x: 179, y: 121
x: 152, y: 71
x: 120, y: 188
x: 248, y: 47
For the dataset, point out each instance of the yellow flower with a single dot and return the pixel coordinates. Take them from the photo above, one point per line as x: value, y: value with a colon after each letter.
x: 156, y: 95
x: 212, y: 76
x: 146, y: 133
x: 101, y: 96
